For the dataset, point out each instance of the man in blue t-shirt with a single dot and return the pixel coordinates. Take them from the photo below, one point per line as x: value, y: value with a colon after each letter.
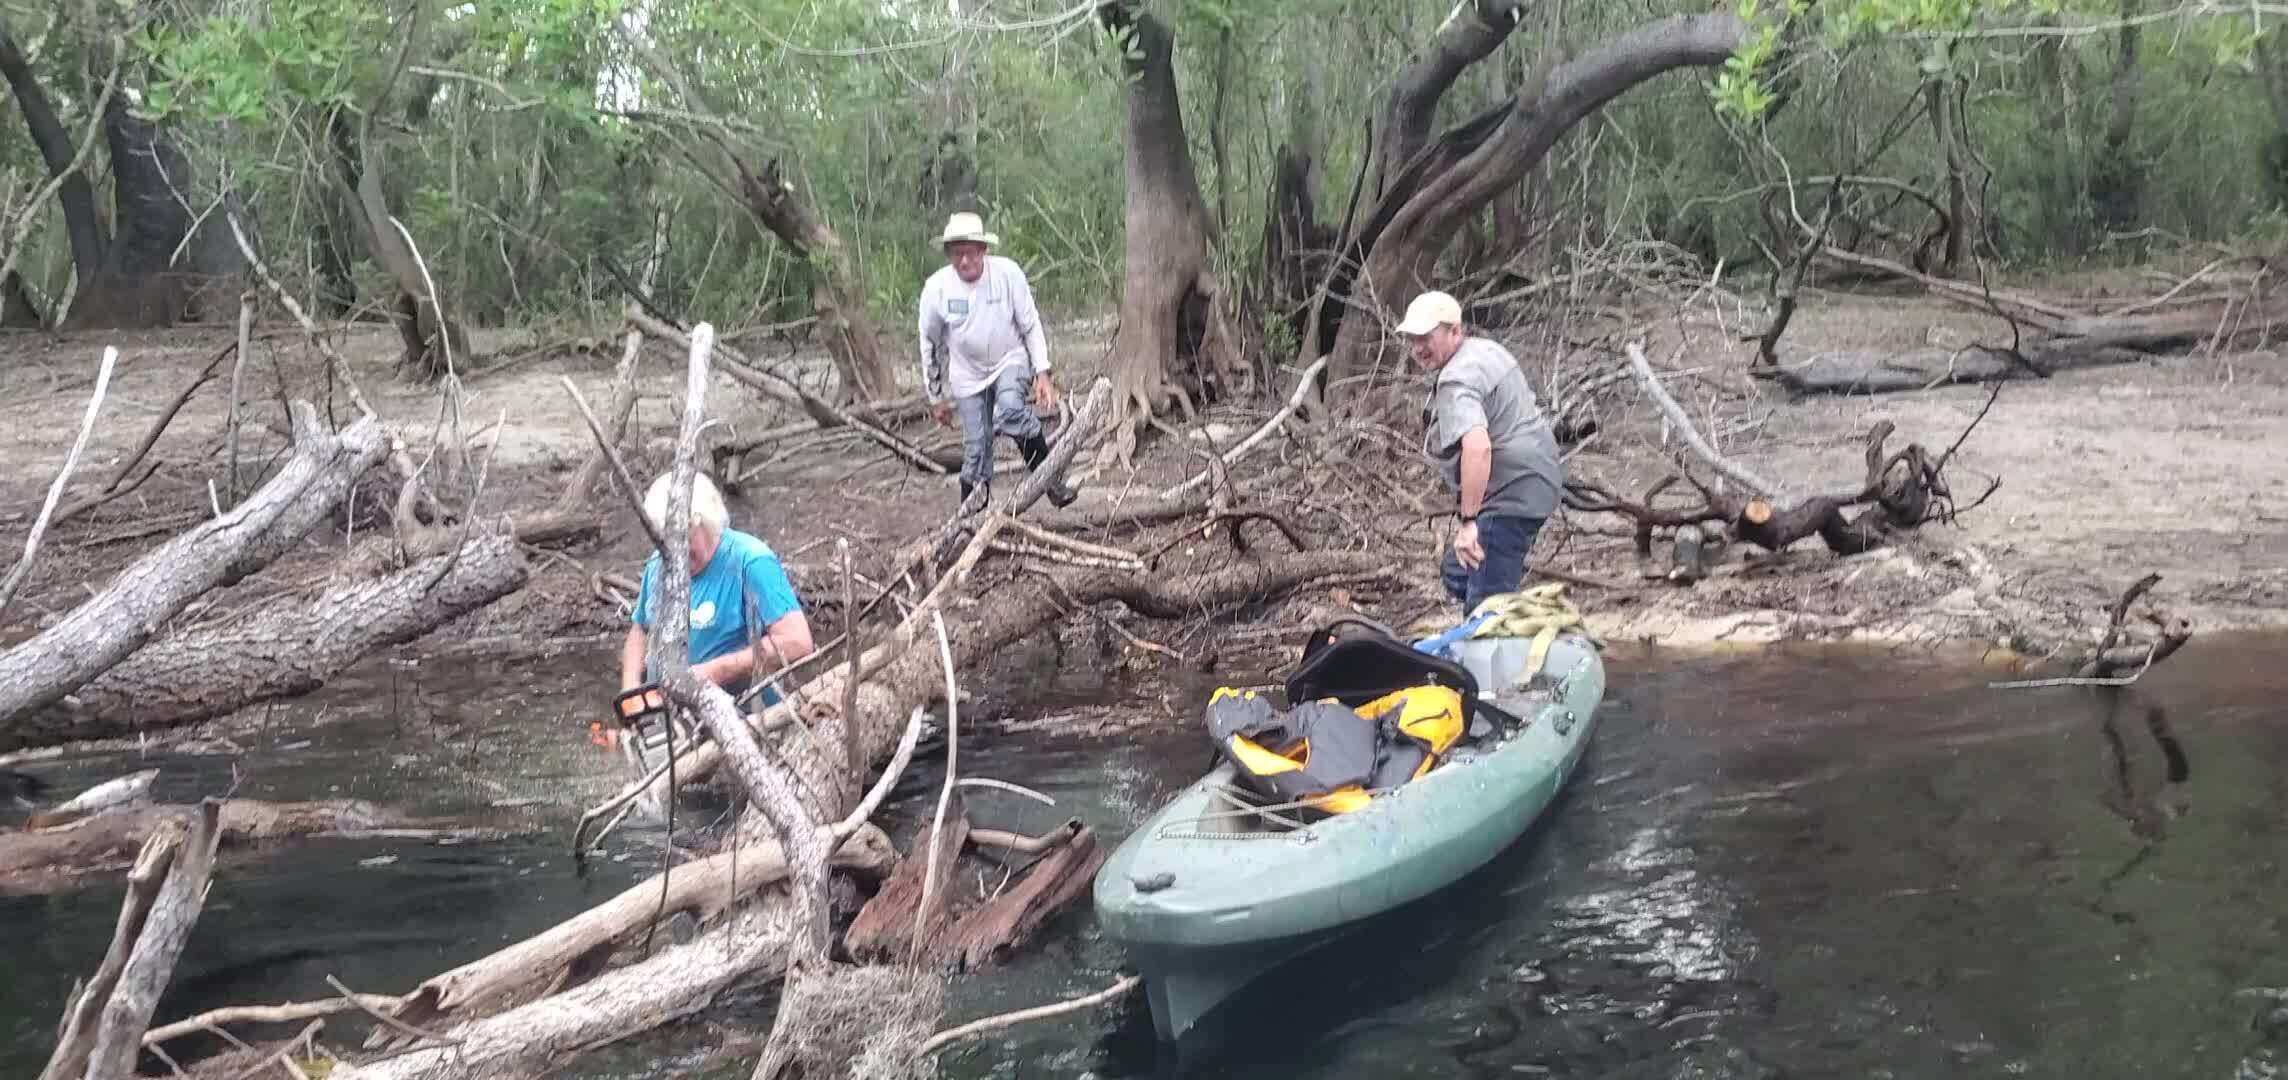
x: 732, y: 574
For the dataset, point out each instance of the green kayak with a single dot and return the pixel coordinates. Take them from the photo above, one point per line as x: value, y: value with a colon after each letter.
x: 1215, y: 889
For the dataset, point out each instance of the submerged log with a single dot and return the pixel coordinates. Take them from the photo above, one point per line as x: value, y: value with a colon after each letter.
x: 885, y: 928
x: 707, y: 886
x: 1004, y: 922
x: 110, y: 839
x: 129, y: 611
x: 287, y: 650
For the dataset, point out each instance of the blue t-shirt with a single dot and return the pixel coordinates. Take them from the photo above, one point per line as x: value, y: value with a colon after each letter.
x: 743, y: 570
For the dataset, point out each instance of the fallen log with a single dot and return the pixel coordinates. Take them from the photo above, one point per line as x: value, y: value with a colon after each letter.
x: 676, y: 982
x: 128, y: 612
x: 708, y: 886
x: 110, y: 839
x: 1925, y: 369
x: 282, y: 651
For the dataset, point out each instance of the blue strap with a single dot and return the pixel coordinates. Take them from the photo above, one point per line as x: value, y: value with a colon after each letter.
x: 1436, y: 646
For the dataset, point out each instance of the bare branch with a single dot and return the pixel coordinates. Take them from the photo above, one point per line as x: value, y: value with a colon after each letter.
x: 63, y: 476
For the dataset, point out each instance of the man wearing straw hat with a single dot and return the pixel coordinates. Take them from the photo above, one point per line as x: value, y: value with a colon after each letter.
x: 983, y: 348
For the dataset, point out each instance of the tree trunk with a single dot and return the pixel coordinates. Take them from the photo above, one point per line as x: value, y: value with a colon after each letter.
x: 284, y: 651
x: 1939, y: 93
x: 1170, y: 235
x: 76, y: 195
x: 1453, y: 179
x: 1471, y: 33
x: 429, y: 331
x: 837, y: 297
x: 19, y: 310
x: 949, y: 176
x: 2116, y: 179
x: 139, y: 284
x: 111, y: 625
x: 333, y: 249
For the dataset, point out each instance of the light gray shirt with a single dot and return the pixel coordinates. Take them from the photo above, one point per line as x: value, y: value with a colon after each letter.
x: 1482, y: 387
x: 970, y: 331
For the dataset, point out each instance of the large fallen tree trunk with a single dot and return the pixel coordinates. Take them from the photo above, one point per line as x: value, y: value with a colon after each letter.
x: 708, y: 886
x: 283, y: 651
x: 679, y: 981
x: 114, y: 623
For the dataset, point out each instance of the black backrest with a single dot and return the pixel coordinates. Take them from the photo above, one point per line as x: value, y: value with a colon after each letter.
x: 1360, y: 665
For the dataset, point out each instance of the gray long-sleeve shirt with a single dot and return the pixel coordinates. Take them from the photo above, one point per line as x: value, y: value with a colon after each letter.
x: 970, y: 331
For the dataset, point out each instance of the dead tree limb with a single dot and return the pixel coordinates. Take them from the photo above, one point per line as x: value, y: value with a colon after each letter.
x: 1302, y: 392
x: 943, y: 1039
x: 63, y: 476
x: 103, y: 1031
x: 76, y: 1041
x: 774, y: 385
x: 129, y: 611
x: 112, y: 488
x: 1677, y: 416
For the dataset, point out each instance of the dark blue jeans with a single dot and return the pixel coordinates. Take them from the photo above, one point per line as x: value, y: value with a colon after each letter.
x: 1506, y: 540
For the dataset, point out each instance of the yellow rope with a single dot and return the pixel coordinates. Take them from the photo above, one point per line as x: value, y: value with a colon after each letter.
x: 1541, y: 613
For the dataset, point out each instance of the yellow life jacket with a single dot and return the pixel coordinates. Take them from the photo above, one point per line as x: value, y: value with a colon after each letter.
x: 1428, y: 716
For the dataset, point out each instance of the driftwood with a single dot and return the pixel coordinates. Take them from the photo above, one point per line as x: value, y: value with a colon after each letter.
x: 280, y: 651
x: 103, y: 1028
x: 129, y: 611
x: 2120, y: 655
x: 886, y: 928
x: 1004, y: 922
x: 708, y: 886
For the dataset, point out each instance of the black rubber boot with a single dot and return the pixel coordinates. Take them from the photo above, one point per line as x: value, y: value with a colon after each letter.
x: 1036, y: 451
x: 966, y: 488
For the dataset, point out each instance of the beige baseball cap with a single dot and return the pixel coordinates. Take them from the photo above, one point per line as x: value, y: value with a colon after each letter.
x: 1428, y: 312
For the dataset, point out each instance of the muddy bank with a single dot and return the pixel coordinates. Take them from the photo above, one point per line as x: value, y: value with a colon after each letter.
x: 2103, y: 476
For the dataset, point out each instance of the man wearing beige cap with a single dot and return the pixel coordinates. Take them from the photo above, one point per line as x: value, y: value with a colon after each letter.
x: 983, y: 346
x: 1492, y: 445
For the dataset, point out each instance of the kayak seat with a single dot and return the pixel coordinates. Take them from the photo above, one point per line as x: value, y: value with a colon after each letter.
x: 1355, y: 668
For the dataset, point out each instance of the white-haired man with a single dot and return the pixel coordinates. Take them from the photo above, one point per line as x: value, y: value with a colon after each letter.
x: 983, y: 347
x: 734, y: 575
x: 1493, y: 447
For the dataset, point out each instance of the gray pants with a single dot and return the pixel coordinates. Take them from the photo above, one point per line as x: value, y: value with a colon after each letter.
x: 1003, y: 408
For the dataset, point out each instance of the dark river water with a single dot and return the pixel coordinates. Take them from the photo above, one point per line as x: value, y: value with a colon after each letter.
x: 1780, y: 863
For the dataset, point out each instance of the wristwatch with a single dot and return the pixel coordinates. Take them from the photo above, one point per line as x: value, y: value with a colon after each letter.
x: 1467, y: 519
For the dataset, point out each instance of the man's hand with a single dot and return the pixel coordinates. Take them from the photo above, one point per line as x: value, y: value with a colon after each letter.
x: 1045, y: 392
x: 942, y: 412
x: 1466, y: 547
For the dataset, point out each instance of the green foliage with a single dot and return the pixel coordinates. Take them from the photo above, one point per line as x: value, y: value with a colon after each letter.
x: 518, y: 180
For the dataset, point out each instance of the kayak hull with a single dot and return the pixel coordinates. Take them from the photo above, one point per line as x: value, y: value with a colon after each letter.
x: 1206, y: 897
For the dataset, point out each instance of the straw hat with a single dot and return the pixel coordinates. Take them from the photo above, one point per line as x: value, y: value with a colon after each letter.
x: 966, y: 227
